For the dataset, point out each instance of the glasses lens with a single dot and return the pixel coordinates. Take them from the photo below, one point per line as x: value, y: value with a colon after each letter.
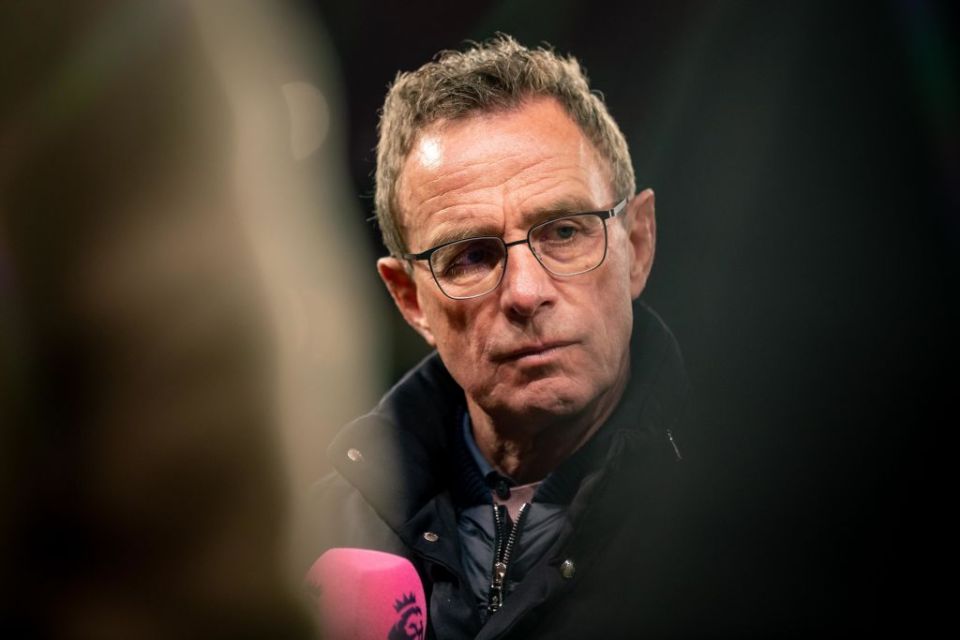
x: 470, y: 267
x: 570, y: 245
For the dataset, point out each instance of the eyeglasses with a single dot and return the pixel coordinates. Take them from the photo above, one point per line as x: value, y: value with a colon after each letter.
x: 564, y: 246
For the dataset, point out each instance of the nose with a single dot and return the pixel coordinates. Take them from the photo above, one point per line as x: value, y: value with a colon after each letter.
x: 526, y: 285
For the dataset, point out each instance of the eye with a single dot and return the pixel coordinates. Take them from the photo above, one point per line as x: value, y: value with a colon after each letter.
x: 564, y: 231
x: 473, y: 255
x: 470, y: 257
x: 467, y: 257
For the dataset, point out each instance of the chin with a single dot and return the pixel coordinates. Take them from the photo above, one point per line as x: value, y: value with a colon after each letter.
x: 544, y: 398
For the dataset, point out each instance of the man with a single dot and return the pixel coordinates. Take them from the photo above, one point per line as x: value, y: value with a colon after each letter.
x: 527, y: 467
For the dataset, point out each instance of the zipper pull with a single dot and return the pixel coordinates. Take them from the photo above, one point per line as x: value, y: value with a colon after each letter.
x: 676, y: 449
x: 496, y: 588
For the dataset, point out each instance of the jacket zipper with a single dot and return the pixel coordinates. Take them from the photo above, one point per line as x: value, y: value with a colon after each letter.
x: 501, y: 554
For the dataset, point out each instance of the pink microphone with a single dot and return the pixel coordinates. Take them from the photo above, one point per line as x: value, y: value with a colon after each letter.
x: 363, y: 594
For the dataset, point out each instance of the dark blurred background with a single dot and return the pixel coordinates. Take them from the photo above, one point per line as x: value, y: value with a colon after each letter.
x: 805, y: 160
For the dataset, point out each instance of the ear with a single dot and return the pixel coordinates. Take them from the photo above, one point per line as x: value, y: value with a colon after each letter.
x: 403, y: 289
x: 643, y: 239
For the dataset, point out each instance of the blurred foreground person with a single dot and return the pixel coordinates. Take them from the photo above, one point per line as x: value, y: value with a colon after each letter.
x: 143, y: 490
x: 530, y: 467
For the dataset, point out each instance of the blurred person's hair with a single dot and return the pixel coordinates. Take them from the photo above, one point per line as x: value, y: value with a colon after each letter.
x: 496, y: 75
x: 142, y: 489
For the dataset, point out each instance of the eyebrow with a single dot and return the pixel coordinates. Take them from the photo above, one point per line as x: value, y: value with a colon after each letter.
x: 562, y: 206
x: 463, y: 233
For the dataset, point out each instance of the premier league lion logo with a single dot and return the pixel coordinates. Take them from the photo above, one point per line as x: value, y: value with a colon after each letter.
x: 410, y: 624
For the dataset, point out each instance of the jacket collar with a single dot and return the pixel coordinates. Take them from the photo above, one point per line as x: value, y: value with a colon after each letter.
x: 402, y: 454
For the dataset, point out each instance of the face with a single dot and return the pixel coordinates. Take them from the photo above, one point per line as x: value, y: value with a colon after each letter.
x: 539, y: 345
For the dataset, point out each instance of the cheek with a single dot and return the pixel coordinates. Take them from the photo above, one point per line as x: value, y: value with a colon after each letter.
x: 613, y: 334
x: 443, y: 316
x: 612, y: 313
x: 452, y: 323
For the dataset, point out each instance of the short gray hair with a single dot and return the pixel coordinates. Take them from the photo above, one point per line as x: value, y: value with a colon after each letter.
x: 495, y: 75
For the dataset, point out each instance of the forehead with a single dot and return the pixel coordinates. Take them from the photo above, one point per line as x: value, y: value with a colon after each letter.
x: 489, y: 172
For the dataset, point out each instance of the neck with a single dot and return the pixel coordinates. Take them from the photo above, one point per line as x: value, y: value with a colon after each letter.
x: 527, y: 448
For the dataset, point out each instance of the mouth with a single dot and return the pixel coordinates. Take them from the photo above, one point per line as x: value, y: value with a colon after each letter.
x: 531, y: 352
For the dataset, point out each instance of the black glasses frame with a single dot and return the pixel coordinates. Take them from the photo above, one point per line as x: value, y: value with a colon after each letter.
x: 608, y: 214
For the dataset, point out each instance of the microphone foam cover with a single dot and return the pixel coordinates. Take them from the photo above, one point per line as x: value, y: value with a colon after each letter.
x: 363, y: 594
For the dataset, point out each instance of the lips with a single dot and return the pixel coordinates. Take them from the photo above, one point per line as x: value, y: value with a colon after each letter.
x: 525, y: 351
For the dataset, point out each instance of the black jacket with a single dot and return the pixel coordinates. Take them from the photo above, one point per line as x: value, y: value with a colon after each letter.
x: 624, y: 563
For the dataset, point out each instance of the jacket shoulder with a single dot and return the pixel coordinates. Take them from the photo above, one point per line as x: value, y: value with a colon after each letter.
x: 345, y: 519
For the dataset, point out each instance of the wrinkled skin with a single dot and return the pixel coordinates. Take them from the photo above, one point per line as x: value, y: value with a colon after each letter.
x: 542, y: 359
